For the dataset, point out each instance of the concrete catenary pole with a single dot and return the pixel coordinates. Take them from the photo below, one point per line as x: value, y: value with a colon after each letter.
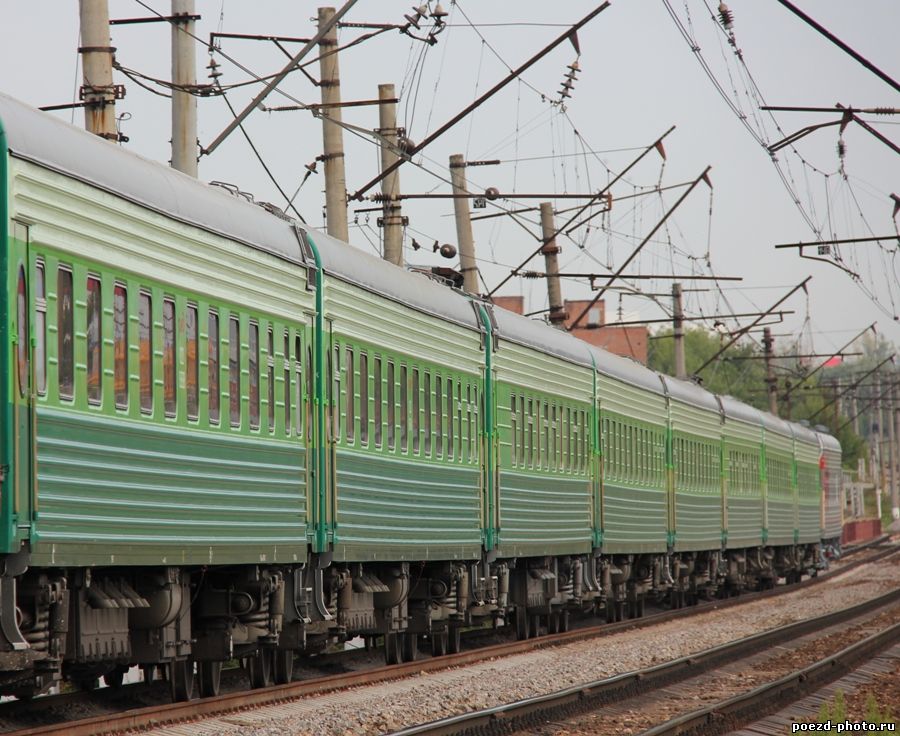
x: 391, y: 215
x: 97, y: 58
x: 771, y: 381
x: 678, y: 332
x: 463, y: 224
x: 550, y: 250
x: 332, y: 133
x: 895, y: 423
x: 184, y: 75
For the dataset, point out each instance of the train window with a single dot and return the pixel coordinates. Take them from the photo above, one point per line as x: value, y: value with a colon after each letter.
x: 459, y: 421
x: 523, y: 428
x: 476, y: 427
x: 545, y: 447
x: 527, y: 431
x: 426, y: 395
x: 287, y: 380
x: 298, y: 384
x: 192, y: 357
x: 376, y: 400
x: 169, y: 366
x: 391, y: 408
x: 212, y: 338
x: 270, y: 361
x: 364, y: 398
x: 66, y: 334
x: 415, y: 410
x: 468, y: 422
x: 22, y: 347
x: 310, y: 371
x: 234, y: 370
x: 335, y: 371
x: 254, y: 375
x: 512, y: 430
x: 554, y: 439
x: 438, y: 418
x: 404, y: 403
x: 94, y: 341
x: 450, y: 414
x: 40, y: 327
x: 120, y: 345
x: 145, y: 337
x: 349, y: 414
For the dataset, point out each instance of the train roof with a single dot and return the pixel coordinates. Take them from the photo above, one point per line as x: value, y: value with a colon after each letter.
x: 691, y: 393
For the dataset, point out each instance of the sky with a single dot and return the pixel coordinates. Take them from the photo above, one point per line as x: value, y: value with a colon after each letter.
x: 638, y: 77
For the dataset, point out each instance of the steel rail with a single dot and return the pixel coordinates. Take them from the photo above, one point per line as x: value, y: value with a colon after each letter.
x: 138, y: 718
x: 581, y: 698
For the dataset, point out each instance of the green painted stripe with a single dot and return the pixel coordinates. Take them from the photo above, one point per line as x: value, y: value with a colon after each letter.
x: 7, y: 523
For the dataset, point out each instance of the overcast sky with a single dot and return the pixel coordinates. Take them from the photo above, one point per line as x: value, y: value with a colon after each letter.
x: 639, y: 77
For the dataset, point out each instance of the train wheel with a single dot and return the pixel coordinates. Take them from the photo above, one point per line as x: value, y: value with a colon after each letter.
x: 439, y: 641
x: 284, y: 666
x: 535, y: 626
x: 563, y: 621
x: 553, y: 623
x: 210, y: 678
x: 454, y: 639
x: 393, y: 648
x: 181, y: 679
x: 116, y: 676
x: 260, y: 666
x: 523, y: 630
x: 410, y: 645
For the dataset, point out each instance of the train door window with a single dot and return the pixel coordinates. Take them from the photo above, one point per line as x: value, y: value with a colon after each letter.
x: 404, y: 403
x: 350, y: 414
x: 270, y: 363
x: 66, y: 333
x: 22, y: 347
x: 438, y: 418
x: 94, y: 341
x: 298, y: 384
x: 145, y: 338
x: 391, y: 407
x: 254, y: 375
x: 120, y: 346
x: 40, y: 326
x: 286, y: 365
x: 192, y: 357
x: 169, y: 365
x: 450, y: 418
x: 512, y: 430
x: 376, y: 400
x: 426, y: 396
x: 363, y: 398
x: 234, y: 370
x: 213, y: 366
x: 310, y: 372
x: 416, y: 419
x: 476, y: 426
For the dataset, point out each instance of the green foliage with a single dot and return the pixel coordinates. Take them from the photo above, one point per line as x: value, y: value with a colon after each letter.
x: 837, y: 711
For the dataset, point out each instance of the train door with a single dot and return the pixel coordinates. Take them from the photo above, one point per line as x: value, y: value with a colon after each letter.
x: 26, y: 276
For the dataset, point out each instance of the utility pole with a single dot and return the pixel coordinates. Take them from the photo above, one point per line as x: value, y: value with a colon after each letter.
x: 98, y: 89
x: 678, y: 331
x: 895, y: 424
x: 771, y: 381
x: 332, y: 133
x: 184, y: 77
x: 787, y: 399
x: 463, y: 224
x: 550, y: 250
x: 391, y: 217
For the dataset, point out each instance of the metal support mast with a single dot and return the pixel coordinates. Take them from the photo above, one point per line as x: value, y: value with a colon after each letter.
x: 771, y: 381
x: 463, y: 224
x: 184, y: 77
x: 895, y: 435
x: 550, y: 250
x: 97, y: 57
x: 391, y: 216
x: 332, y: 133
x: 678, y: 332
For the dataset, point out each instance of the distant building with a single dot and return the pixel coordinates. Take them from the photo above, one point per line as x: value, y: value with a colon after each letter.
x: 628, y: 341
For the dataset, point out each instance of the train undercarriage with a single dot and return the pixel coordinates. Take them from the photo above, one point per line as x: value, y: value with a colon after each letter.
x: 183, y: 624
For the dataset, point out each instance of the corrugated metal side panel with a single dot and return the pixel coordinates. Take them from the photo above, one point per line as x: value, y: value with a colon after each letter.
x: 541, y: 515
x: 70, y: 216
x: 833, y: 497
x: 781, y: 503
x: 394, y: 508
x: 698, y: 509
x: 635, y: 519
x: 531, y: 369
x: 780, y: 522
x: 809, y: 491
x: 745, y: 509
x: 141, y: 492
x: 745, y: 522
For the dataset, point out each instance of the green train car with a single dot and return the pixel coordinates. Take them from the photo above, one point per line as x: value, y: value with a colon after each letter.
x: 224, y: 435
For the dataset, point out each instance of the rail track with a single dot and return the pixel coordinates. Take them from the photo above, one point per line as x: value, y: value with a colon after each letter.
x: 113, y: 719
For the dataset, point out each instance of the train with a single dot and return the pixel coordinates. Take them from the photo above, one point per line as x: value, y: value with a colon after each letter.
x: 228, y: 436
